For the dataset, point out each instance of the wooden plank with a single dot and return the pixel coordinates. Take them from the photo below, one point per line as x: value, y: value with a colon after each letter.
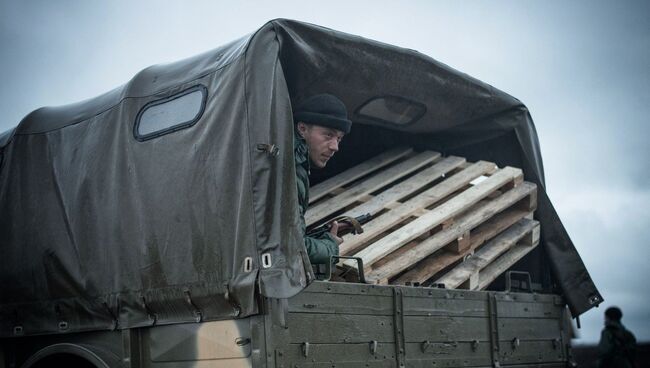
x: 437, y: 262
x: 420, y: 328
x: 461, y: 245
x: 436, y: 216
x: 531, y: 353
x: 445, y: 306
x: 337, y: 303
x: 529, y: 329
x: 396, y: 254
x: 368, y: 185
x: 321, y: 189
x: 440, y: 239
x: 408, y: 208
x: 389, y: 197
x: 488, y: 253
x: 472, y: 282
x: 339, y: 328
x: 406, y: 257
x: 327, y: 355
x: 533, y: 309
x: 501, y: 264
x: 448, y: 353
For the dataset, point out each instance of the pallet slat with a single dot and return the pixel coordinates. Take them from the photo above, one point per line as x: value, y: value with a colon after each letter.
x: 445, y: 236
x: 437, y: 216
x: 414, y: 205
x: 487, y: 254
x: 390, y: 197
x: 322, y: 189
x: 501, y: 265
x: 435, y: 263
x: 369, y: 185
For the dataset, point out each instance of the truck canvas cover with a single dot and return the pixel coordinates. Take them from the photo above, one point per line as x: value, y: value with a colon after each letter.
x: 104, y: 224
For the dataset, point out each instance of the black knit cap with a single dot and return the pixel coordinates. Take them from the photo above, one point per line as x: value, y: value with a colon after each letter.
x: 324, y: 110
x: 614, y: 313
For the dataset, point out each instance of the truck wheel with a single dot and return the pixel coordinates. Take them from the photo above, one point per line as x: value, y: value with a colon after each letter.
x: 69, y: 355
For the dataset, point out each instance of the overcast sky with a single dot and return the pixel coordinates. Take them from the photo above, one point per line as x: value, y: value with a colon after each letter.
x: 581, y: 67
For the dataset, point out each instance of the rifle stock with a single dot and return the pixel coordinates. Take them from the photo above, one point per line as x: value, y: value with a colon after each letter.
x: 353, y: 222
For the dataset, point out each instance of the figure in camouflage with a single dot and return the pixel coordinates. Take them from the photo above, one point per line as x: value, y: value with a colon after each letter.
x: 321, y: 121
x: 617, y: 346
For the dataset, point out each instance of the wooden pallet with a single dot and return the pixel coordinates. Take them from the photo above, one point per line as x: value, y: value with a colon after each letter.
x: 436, y: 219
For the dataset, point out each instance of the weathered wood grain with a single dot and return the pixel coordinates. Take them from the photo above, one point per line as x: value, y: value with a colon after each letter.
x: 320, y: 190
x: 369, y: 185
x: 427, y: 198
x: 442, y: 259
x: 341, y: 328
x: 501, y: 264
x: 469, y: 220
x: 419, y: 328
x: 487, y: 254
x: 389, y: 197
x: 436, y: 216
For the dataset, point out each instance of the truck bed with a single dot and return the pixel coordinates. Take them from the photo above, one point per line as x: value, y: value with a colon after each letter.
x: 354, y: 325
x: 435, y: 219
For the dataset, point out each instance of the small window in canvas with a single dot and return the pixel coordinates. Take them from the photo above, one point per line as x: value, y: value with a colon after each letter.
x: 170, y: 114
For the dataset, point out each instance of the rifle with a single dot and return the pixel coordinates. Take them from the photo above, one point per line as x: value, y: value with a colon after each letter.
x: 354, y: 228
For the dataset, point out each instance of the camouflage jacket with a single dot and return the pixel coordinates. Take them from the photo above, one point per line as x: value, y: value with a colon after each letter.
x: 319, y: 249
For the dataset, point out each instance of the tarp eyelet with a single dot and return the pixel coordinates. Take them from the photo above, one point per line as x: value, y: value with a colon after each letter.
x: 266, y: 260
x: 248, y: 264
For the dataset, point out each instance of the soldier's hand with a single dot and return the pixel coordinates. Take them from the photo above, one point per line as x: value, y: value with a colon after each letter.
x: 334, y: 231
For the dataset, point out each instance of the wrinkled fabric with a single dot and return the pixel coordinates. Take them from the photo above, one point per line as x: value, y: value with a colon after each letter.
x: 100, y: 230
x: 463, y: 116
x: 321, y: 249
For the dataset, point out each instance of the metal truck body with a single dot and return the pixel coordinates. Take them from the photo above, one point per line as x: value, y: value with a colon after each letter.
x: 157, y: 225
x: 343, y: 325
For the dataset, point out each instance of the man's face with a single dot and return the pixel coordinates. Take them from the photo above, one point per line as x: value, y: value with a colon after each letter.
x: 322, y: 142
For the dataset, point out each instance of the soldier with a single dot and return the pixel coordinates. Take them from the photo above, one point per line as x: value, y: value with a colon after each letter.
x: 617, y: 346
x: 321, y: 121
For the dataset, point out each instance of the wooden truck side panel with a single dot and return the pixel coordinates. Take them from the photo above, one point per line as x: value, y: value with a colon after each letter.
x: 341, y: 325
x: 336, y: 324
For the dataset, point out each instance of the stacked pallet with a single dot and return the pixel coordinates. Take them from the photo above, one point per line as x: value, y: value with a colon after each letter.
x: 435, y: 219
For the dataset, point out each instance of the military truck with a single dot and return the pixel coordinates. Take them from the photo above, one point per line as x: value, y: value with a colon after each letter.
x: 157, y: 225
